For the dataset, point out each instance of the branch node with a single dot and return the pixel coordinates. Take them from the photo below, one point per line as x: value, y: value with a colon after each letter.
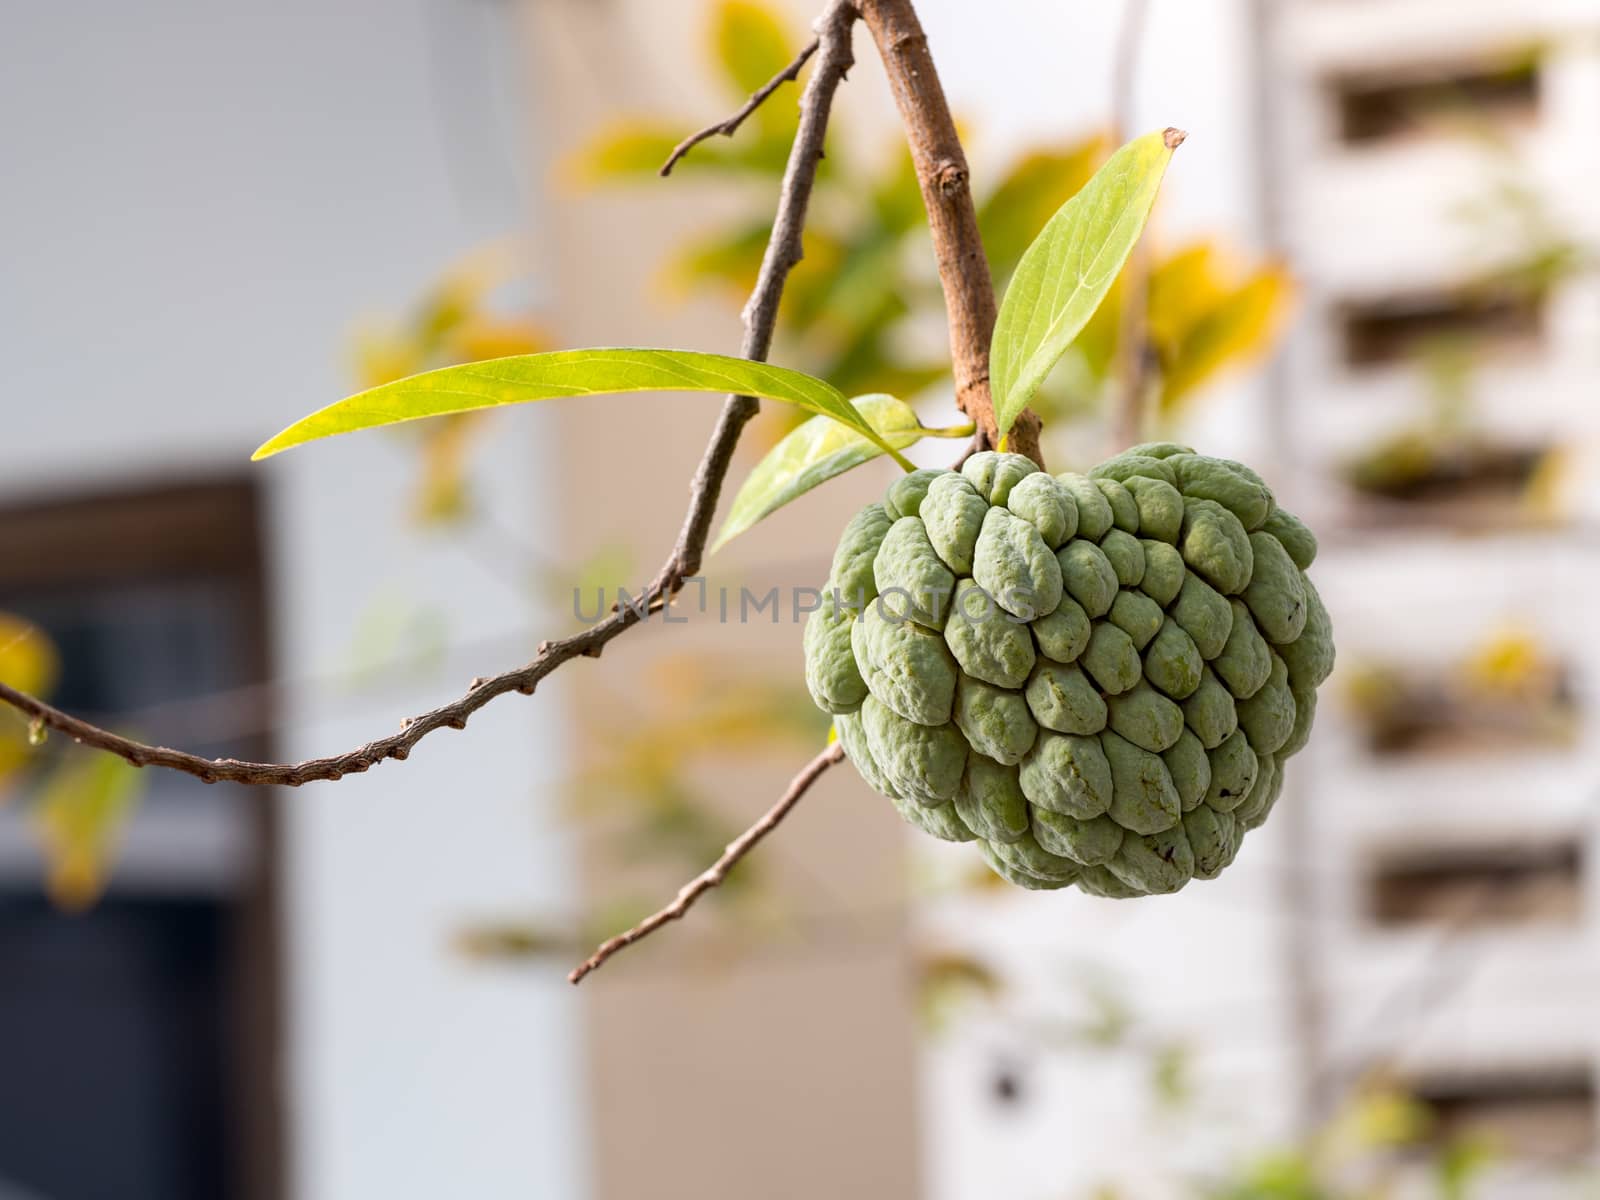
x: 951, y: 177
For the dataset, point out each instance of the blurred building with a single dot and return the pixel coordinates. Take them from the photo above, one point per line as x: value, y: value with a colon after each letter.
x: 1431, y: 169
x: 1422, y: 911
x: 267, y: 1001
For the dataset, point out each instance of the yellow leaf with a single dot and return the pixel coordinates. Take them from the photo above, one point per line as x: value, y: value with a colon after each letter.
x: 1183, y: 288
x: 1241, y: 327
x: 28, y: 663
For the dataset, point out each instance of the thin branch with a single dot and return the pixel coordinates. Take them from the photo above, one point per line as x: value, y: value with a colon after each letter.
x: 730, y: 126
x: 713, y: 875
x: 760, y: 316
x: 943, y: 176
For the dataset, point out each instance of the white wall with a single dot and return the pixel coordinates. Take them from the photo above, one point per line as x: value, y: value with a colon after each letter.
x: 198, y: 200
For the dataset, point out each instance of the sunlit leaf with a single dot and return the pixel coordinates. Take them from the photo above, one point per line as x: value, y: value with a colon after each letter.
x: 819, y: 450
x: 79, y: 815
x: 563, y: 373
x: 1069, y: 268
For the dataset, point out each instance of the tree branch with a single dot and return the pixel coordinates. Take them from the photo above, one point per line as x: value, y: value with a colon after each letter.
x: 730, y: 125
x: 713, y: 875
x: 943, y: 175
x: 760, y: 315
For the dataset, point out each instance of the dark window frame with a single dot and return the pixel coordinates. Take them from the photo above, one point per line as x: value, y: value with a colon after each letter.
x: 210, y: 527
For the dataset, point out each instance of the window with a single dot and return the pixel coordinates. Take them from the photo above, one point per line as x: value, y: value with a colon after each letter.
x: 139, y: 1037
x: 1376, y: 107
x: 1484, y: 885
x: 1400, y: 329
x: 1530, y: 1112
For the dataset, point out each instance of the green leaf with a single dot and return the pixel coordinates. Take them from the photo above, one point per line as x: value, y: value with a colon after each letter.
x: 1066, y: 273
x: 525, y: 378
x: 813, y: 453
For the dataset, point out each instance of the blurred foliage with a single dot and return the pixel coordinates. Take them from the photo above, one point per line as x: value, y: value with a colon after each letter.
x: 948, y: 983
x: 642, y: 794
x: 28, y: 663
x: 453, y: 323
x: 1446, y: 460
x: 702, y: 710
x: 864, y: 310
x: 79, y: 802
x: 80, y: 812
x: 1383, y: 1144
x: 1510, y: 690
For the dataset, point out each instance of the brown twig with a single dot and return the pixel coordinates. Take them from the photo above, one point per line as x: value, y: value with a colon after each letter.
x: 943, y: 175
x: 730, y: 125
x: 760, y: 316
x: 713, y: 875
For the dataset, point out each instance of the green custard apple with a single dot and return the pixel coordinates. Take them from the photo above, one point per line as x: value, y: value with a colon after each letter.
x: 1098, y: 678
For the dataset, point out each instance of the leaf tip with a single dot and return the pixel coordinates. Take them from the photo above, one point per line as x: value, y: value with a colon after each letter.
x: 273, y: 445
x: 1173, y: 137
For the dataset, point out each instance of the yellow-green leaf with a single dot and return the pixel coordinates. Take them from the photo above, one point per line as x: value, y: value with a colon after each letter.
x: 1067, y: 271
x: 79, y: 817
x: 751, y: 42
x: 813, y: 453
x: 625, y: 150
x: 526, y: 378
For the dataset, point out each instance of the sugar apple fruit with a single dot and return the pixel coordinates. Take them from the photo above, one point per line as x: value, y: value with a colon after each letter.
x: 1098, y: 678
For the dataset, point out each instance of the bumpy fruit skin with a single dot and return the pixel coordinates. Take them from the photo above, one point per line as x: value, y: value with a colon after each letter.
x: 1098, y: 678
